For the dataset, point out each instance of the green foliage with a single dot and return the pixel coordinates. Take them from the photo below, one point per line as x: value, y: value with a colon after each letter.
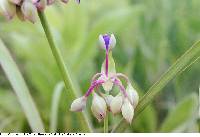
x: 151, y: 35
x: 184, y: 111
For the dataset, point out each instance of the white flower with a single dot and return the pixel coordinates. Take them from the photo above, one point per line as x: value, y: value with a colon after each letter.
x: 132, y: 95
x: 78, y: 104
x: 127, y: 110
x: 98, y: 107
x: 116, y: 103
x: 29, y: 11
x: 7, y: 9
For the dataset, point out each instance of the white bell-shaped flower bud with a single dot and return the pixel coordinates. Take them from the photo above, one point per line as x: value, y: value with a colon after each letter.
x: 108, y: 99
x: 78, y: 104
x: 29, y: 11
x: 132, y: 95
x: 112, y: 41
x: 17, y: 2
x: 127, y: 110
x: 8, y: 9
x: 116, y: 104
x: 98, y: 107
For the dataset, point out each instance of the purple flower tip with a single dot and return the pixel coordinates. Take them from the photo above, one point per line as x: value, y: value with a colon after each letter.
x: 106, y: 38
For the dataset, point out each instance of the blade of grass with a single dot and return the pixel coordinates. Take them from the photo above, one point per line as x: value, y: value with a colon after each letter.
x: 12, y: 72
x: 191, y: 55
x: 83, y: 120
x: 54, y: 106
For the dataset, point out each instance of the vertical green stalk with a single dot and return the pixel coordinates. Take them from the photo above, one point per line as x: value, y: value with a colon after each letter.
x: 105, y: 127
x: 64, y: 72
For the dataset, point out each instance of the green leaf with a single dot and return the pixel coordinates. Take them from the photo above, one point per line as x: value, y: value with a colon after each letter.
x: 54, y: 107
x: 180, y: 114
x: 12, y: 72
x: 186, y: 60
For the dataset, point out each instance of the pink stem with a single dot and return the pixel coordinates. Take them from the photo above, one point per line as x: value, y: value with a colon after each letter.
x: 122, y: 89
x: 106, y: 62
x: 93, y: 85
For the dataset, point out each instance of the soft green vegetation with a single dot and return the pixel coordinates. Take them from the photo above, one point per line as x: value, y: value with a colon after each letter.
x: 151, y: 36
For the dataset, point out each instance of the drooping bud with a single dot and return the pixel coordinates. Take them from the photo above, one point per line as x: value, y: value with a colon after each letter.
x: 127, y: 110
x: 98, y: 107
x: 132, y: 95
x: 41, y: 4
x: 17, y: 2
x: 29, y: 11
x: 7, y: 9
x: 78, y: 104
x: 116, y: 103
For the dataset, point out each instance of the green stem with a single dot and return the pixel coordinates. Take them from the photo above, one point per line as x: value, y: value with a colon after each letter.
x: 106, y: 123
x: 105, y: 127
x: 64, y: 71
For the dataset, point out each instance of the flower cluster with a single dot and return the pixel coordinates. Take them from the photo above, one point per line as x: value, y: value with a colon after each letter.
x: 125, y: 101
x: 25, y: 9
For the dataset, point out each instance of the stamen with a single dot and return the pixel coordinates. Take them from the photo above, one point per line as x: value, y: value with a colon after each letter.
x: 107, y: 63
x: 95, y: 76
x: 123, y: 76
x: 121, y: 87
x: 93, y: 85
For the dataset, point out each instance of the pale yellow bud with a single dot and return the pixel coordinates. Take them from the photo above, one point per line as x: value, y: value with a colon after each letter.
x: 8, y: 9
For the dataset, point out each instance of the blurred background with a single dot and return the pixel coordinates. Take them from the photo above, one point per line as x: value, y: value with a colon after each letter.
x: 151, y: 35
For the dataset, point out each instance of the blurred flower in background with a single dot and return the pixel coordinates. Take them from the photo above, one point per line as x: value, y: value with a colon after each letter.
x: 25, y: 9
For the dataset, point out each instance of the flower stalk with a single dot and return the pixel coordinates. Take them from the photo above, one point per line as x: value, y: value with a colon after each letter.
x: 61, y: 65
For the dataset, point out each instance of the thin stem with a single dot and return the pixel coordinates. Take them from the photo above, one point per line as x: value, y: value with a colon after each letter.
x: 106, y: 120
x: 61, y: 65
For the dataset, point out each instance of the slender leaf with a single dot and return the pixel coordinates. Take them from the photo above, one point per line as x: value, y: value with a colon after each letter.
x: 12, y: 72
x: 183, y: 62
x: 54, y: 107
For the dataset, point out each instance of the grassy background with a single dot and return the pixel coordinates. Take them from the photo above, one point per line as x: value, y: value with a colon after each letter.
x: 151, y: 35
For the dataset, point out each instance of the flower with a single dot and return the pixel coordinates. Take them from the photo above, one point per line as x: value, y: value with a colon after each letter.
x: 98, y: 107
x: 8, y: 9
x: 127, y: 110
x: 125, y: 101
x: 116, y: 104
x: 78, y: 104
x: 29, y: 11
x: 25, y: 9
